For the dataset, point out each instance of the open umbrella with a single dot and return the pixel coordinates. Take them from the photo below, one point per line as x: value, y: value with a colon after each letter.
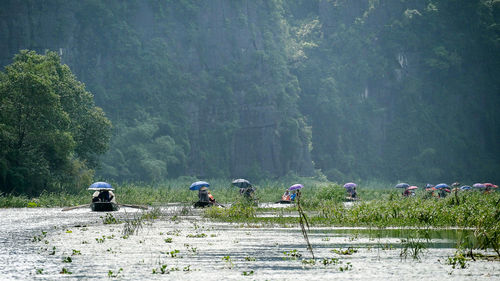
x: 441, y: 185
x: 402, y: 185
x: 488, y: 184
x: 296, y: 186
x: 241, y: 183
x: 199, y: 184
x: 349, y: 185
x: 479, y: 185
x: 465, y: 187
x: 100, y: 185
x: 412, y: 187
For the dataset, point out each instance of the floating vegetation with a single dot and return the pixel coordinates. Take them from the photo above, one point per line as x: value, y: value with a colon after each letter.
x: 64, y: 270
x: 168, y: 240
x: 293, y: 254
x: 198, y: 235
x: 348, y: 251
x: 110, y: 219
x: 248, y: 273
x: 67, y: 259
x: 161, y: 270
x: 458, y: 260
x: 229, y: 261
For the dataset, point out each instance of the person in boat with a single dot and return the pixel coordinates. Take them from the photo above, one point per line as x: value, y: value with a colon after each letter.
x: 406, y: 193
x: 211, y: 197
x: 247, y: 192
x: 294, y: 195
x: 103, y: 196
x: 286, y: 196
x: 354, y: 194
x: 203, y: 195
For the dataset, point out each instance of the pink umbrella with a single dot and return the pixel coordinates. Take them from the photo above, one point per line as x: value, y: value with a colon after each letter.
x: 412, y: 187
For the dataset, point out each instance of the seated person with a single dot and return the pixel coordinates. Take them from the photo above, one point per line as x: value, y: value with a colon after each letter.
x: 103, y: 196
x: 203, y: 195
x: 247, y: 192
x: 211, y: 198
x: 354, y: 194
x: 286, y: 196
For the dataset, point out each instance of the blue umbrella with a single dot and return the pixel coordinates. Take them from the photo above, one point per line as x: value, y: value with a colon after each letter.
x: 441, y: 185
x: 402, y: 185
x: 100, y: 185
x: 199, y: 184
x: 465, y: 187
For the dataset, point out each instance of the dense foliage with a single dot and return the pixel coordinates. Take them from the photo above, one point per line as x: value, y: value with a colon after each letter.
x: 371, y: 89
x: 51, y: 133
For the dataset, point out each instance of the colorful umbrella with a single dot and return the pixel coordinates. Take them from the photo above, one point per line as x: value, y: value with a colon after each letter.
x: 442, y: 185
x: 349, y: 185
x: 488, y: 184
x: 241, y: 183
x: 402, y: 185
x: 465, y: 187
x: 199, y: 184
x: 100, y: 185
x: 412, y: 187
x: 478, y: 185
x: 296, y: 186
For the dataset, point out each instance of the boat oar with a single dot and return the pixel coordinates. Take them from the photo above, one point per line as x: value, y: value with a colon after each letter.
x: 75, y: 207
x: 134, y: 206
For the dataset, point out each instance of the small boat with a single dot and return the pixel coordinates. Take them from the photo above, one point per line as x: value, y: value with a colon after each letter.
x: 104, y: 206
x: 284, y: 202
x: 351, y: 199
x: 103, y: 199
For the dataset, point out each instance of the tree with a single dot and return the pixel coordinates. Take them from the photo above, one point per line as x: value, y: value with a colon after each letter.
x: 51, y: 132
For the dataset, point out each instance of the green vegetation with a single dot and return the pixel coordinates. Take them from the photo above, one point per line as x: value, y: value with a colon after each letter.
x: 349, y: 90
x: 51, y: 132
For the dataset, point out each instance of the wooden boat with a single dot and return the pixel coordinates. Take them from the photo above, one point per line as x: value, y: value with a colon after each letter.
x: 284, y: 202
x: 202, y: 204
x: 104, y: 206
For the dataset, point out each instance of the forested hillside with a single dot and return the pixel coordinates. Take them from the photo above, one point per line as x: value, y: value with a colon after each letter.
x: 369, y: 89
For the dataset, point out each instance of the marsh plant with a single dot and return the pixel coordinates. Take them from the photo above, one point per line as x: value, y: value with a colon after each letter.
x: 292, y: 254
x: 348, y: 251
x: 229, y: 261
x: 110, y: 219
x: 458, y: 260
x: 112, y: 274
x: 413, y: 247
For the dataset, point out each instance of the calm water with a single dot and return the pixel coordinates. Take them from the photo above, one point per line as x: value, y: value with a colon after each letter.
x: 191, y: 248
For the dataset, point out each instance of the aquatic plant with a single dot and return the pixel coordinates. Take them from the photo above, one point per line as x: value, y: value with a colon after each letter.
x: 64, y: 270
x: 168, y: 240
x: 110, y: 219
x: 67, y: 259
x: 111, y: 274
x: 458, y: 260
x: 292, y: 254
x: 198, y: 235
x: 161, y: 270
x: 348, y: 251
x: 247, y: 273
x: 229, y: 261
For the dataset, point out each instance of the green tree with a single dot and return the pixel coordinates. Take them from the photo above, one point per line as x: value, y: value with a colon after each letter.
x: 50, y: 130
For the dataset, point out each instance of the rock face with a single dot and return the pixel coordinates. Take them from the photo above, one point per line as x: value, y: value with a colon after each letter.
x: 215, y: 72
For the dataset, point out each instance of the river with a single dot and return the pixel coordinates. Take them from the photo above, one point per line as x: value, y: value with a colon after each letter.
x: 48, y: 244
